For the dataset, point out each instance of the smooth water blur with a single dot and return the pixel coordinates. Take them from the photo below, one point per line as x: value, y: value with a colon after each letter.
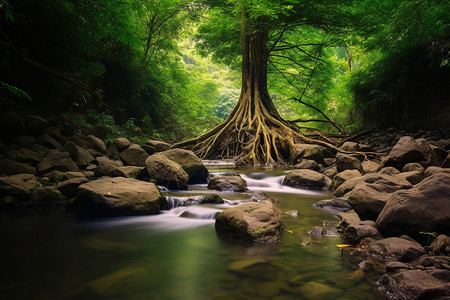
x: 177, y: 255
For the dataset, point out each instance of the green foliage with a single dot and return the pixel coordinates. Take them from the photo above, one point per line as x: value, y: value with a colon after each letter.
x: 15, y: 91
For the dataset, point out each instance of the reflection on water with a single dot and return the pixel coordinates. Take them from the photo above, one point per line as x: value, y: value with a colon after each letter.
x: 177, y: 255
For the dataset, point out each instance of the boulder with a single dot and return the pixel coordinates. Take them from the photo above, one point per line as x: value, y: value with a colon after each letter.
x: 343, y: 176
x: 112, y: 152
x: 19, y: 186
x: 330, y: 172
x: 166, y: 172
x: 134, y: 156
x: 426, y: 207
x: 27, y: 156
x: 118, y: 197
x: 347, y: 219
x: 11, y: 124
x: 307, y: 164
x: 69, y: 188
x: 307, y: 179
x: 336, y: 204
x: 395, y: 248
x: 46, y: 197
x: 307, y: 151
x: 96, y: 143
x: 194, y: 200
x: 105, y: 167
x: 369, y: 166
x: 190, y: 163
x: 56, y: 160
x: 414, y: 177
x: 348, y: 162
x: 389, y: 171
x: 80, y: 140
x: 11, y: 167
x: 414, y: 284
x: 228, y: 184
x: 159, y: 146
x: 252, y: 222
x: 441, y: 245
x: 82, y: 157
x: 380, y: 182
x: 367, y: 201
x: 350, y: 146
x: 122, y: 143
x: 407, y: 150
x: 48, y: 142
x: 355, y: 233
x: 433, y: 170
x: 35, y: 125
x: 127, y: 171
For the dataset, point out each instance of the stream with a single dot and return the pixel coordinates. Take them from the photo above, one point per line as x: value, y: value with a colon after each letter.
x: 177, y: 254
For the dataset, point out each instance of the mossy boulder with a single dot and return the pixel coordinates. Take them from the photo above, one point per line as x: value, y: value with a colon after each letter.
x: 190, y: 163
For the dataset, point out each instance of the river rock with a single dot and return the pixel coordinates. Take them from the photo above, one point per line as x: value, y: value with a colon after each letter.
x: 307, y: 164
x: 100, y: 131
x: 35, y: 125
x: 48, y: 142
x: 414, y: 284
x: 56, y: 160
x: 347, y: 219
x: 11, y: 167
x: 336, y: 204
x: 348, y: 162
x: 166, y: 172
x: 433, y: 170
x: 426, y: 207
x: 343, y: 176
x: 105, y: 167
x: 307, y: 151
x: 367, y: 201
x: 159, y: 146
x: 96, y: 143
x: 11, y: 124
x: 228, y: 184
x: 112, y: 152
x: 252, y: 222
x: 190, y: 163
x: 69, y: 187
x: 395, y: 248
x: 317, y: 232
x: 313, y: 290
x: 414, y: 177
x: 353, y: 234
x: 350, y: 146
x: 118, y: 197
x: 369, y: 166
x: 122, y: 143
x: 80, y: 140
x: 19, y: 186
x: 441, y: 245
x: 380, y: 182
x: 127, y: 171
x: 409, y: 167
x: 134, y: 156
x: 47, y: 196
x: 389, y: 171
x: 307, y: 179
x: 194, y: 200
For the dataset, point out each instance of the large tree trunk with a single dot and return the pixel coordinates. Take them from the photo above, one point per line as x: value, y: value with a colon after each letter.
x: 254, y: 133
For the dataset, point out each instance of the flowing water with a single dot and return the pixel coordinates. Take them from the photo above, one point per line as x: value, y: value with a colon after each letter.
x: 177, y: 254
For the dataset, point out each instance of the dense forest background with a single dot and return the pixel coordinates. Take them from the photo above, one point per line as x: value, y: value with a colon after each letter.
x: 171, y: 68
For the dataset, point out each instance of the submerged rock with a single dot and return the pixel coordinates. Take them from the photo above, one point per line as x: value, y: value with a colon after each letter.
x: 118, y: 197
x: 252, y: 222
x: 337, y: 204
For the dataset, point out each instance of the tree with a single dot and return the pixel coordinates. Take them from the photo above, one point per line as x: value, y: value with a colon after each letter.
x: 255, y: 133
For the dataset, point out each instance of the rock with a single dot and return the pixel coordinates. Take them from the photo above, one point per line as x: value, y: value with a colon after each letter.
x: 80, y: 140
x: 350, y: 146
x: 128, y: 171
x: 422, y: 208
x: 190, y: 163
x: 122, y: 143
x: 307, y: 151
x: 307, y: 164
x: 262, y: 197
x: 441, y: 245
x: 54, y: 176
x: 71, y: 148
x: 71, y: 175
x: 369, y: 166
x: 348, y: 162
x: 353, y: 234
x: 441, y: 154
x: 27, y: 156
x: 367, y: 201
x: 330, y: 172
x: 347, y: 219
x: 47, y: 197
x: 118, y: 197
x: 293, y: 212
x: 380, y: 182
x: 194, y: 200
x: 19, y: 186
x: 446, y: 163
x: 252, y: 222
x: 96, y: 143
x: 307, y: 179
x: 112, y: 152
x: 35, y: 125
x: 396, y: 266
x: 414, y: 177
x: 11, y: 124
x: 134, y: 156
x: 100, y: 131
x: 56, y: 160
x: 395, y: 248
x: 39, y: 149
x: 433, y: 170
x: 159, y: 146
x: 389, y: 171
x: 317, y: 232
x: 343, y: 176
x: 313, y: 290
x: 414, y: 284
x: 48, y: 142
x: 228, y: 184
x: 241, y: 266
x: 336, y: 204
x: 106, y: 167
x: 82, y: 157
x: 408, y: 150
x: 166, y: 172
x: 11, y: 167
x: 69, y: 187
